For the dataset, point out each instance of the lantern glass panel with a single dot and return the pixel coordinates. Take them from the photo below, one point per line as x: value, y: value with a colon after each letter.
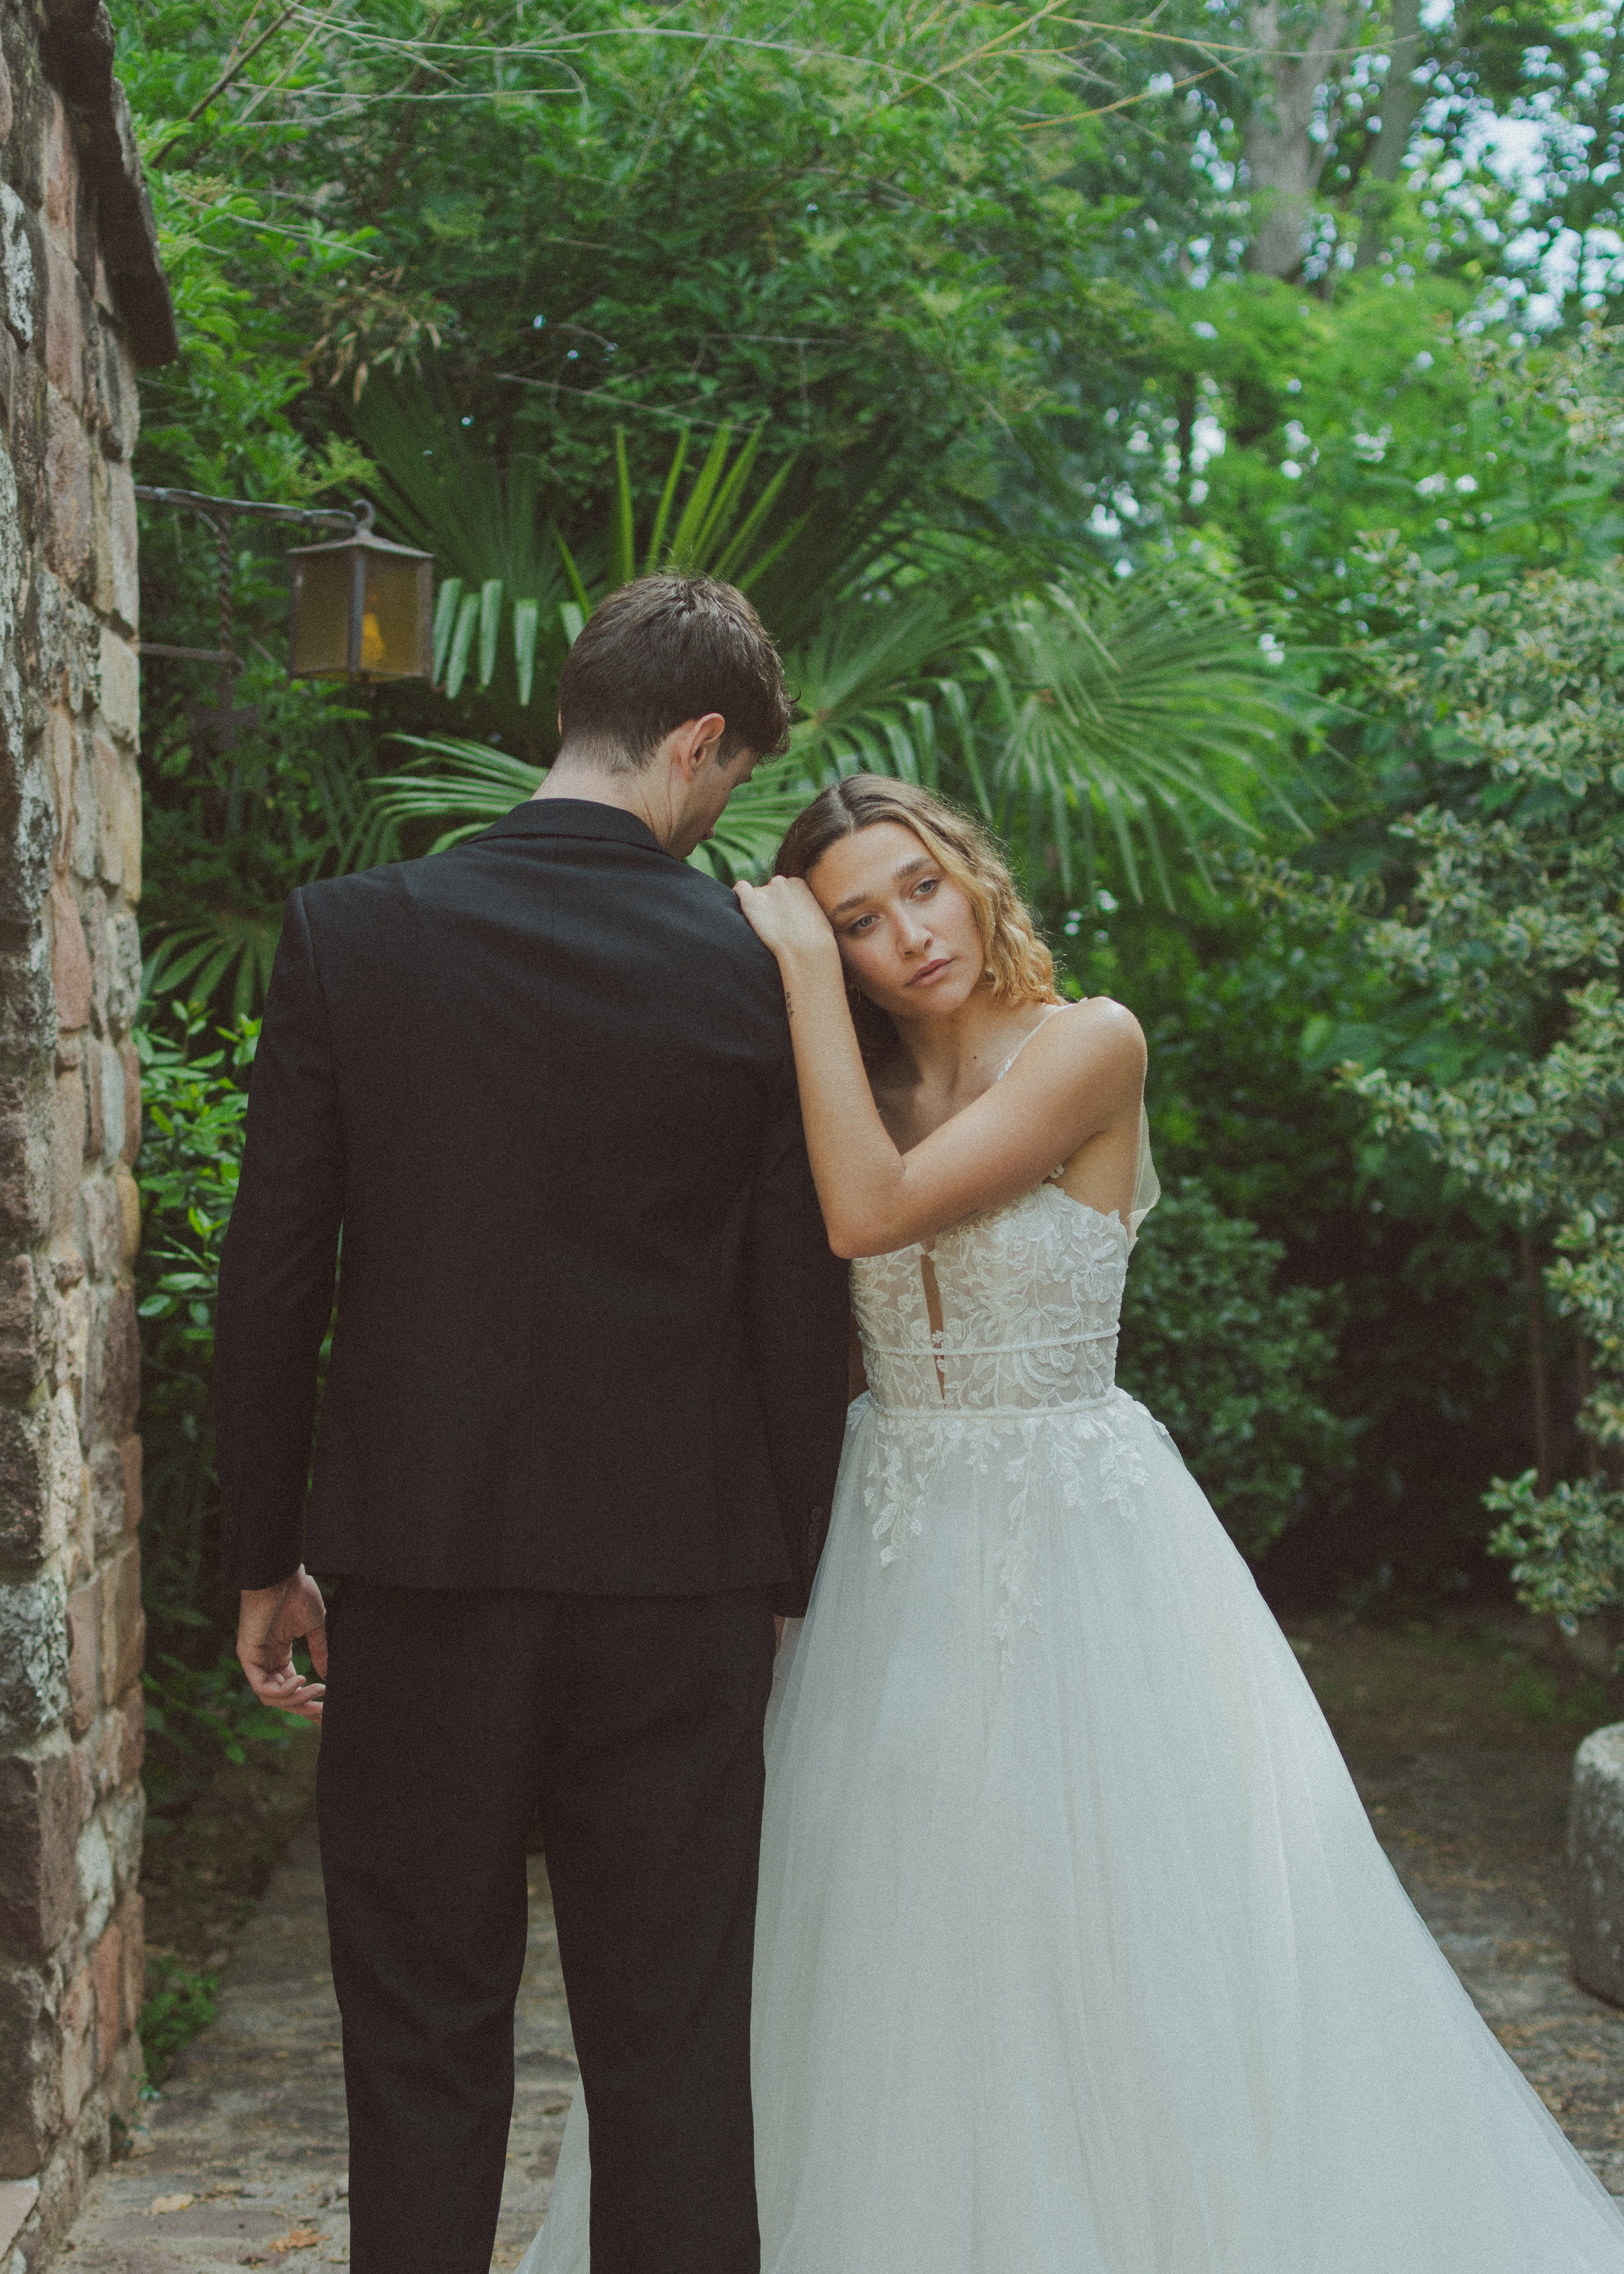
x: 395, y: 615
x: 320, y: 641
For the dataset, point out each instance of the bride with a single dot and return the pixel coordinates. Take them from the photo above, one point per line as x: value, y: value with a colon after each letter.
x: 1075, y: 1952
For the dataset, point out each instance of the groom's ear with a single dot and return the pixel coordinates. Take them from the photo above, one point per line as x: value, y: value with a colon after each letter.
x: 697, y: 741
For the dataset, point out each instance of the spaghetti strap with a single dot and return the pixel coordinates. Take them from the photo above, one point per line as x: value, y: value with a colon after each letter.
x: 1025, y: 1038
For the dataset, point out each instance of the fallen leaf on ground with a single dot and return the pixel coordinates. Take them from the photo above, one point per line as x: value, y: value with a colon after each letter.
x: 301, y: 2239
x: 161, y: 2203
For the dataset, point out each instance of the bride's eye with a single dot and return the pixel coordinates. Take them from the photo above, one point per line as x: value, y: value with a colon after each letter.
x: 926, y: 885
x: 855, y: 930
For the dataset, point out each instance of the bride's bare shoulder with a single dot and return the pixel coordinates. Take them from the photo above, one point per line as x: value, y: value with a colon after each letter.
x: 1094, y: 1036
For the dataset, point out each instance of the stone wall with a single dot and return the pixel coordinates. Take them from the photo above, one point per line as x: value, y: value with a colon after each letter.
x: 82, y: 300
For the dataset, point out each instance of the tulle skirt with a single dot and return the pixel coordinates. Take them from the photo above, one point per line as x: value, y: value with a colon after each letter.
x: 1076, y: 1952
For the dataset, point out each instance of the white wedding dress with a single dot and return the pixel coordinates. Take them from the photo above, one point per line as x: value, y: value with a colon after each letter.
x: 1076, y: 1952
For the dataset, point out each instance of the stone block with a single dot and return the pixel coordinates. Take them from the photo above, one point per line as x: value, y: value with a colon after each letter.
x: 85, y: 823
x: 113, y: 1372
x: 71, y: 970
x: 31, y: 1527
x: 84, y: 1656
x: 132, y: 1930
x: 125, y: 1818
x: 129, y: 831
x: 98, y: 940
x: 111, y: 1088
x: 125, y: 597
x: 106, y: 773
x: 69, y: 320
x: 68, y: 503
x: 114, y: 588
x: 27, y: 832
x: 67, y: 1465
x: 108, y: 1523
x: 1595, y: 1863
x: 104, y: 1227
x: 133, y: 1742
x: 124, y: 1622
x: 107, y: 1975
x: 39, y: 1827
x: 93, y: 1877
x: 61, y: 203
x: 21, y: 1352
x: 28, y: 1002
x: 117, y: 398
x: 121, y: 689
x: 6, y: 115
x: 68, y: 1152
x: 77, y: 2015
x: 71, y: 644
x: 129, y: 1058
x: 90, y: 1076
x: 18, y: 2198
x: 34, y: 1659
x: 30, y: 2073
x: 129, y: 1204
x: 56, y: 738
x: 130, y: 1453
x: 17, y: 266
x: 26, y: 1137
x: 124, y: 993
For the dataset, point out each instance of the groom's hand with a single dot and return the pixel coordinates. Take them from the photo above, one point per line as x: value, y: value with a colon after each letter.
x: 271, y: 1621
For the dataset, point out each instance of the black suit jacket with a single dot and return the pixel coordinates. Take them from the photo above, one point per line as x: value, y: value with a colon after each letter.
x: 591, y: 1336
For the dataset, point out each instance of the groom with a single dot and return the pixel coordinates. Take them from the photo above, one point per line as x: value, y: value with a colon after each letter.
x: 577, y: 1444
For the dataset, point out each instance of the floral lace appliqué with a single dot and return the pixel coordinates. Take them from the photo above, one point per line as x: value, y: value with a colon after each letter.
x: 1018, y: 1379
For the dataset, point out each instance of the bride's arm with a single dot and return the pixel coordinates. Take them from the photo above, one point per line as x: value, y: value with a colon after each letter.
x: 1083, y: 1075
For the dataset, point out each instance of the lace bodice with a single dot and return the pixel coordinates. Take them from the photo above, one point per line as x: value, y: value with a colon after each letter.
x: 1026, y: 1301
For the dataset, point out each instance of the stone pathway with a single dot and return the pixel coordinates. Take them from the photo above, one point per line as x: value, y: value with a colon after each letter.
x: 244, y: 2162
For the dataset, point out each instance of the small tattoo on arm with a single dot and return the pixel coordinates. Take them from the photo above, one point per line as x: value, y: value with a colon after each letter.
x: 789, y: 1004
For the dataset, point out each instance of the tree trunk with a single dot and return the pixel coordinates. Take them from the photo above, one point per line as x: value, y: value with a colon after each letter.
x: 1533, y: 1281
x: 1401, y: 106
x: 1283, y: 162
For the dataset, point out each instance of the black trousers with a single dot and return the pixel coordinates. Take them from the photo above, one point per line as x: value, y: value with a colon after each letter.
x: 635, y: 1726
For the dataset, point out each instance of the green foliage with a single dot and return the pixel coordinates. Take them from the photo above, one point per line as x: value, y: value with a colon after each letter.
x: 1514, y: 929
x: 1235, y: 1366
x: 1142, y: 707
x: 182, y: 2003
x: 1566, y: 1548
x: 195, y: 1099
x: 1075, y: 709
x: 484, y: 783
x: 197, y: 1717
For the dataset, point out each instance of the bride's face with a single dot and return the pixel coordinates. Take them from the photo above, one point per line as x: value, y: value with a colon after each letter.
x: 907, y: 932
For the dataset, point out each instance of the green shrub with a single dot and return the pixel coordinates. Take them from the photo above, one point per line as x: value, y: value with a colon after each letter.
x: 195, y: 1098
x: 182, y: 2004
x: 1232, y: 1364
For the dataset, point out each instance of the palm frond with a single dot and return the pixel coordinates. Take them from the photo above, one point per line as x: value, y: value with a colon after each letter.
x: 869, y: 683
x: 473, y: 785
x: 1149, y: 707
x: 195, y: 959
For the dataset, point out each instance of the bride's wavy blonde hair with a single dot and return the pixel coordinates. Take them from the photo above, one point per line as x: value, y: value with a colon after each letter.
x: 1019, y: 967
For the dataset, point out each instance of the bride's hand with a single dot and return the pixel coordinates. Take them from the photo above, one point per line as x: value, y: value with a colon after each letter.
x: 783, y: 913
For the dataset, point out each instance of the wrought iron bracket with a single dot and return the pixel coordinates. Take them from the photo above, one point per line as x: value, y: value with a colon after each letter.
x: 223, y: 722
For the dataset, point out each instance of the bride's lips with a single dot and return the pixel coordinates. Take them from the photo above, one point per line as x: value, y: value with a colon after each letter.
x: 929, y: 971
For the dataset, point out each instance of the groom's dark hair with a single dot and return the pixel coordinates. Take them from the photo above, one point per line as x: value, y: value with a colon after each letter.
x: 662, y: 650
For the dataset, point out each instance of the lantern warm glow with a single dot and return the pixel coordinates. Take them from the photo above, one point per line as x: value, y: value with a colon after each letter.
x: 359, y: 610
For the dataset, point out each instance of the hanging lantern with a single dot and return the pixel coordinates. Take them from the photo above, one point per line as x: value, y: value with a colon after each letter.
x: 359, y: 609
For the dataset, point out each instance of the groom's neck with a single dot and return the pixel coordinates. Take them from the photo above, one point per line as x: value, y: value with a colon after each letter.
x: 572, y: 777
